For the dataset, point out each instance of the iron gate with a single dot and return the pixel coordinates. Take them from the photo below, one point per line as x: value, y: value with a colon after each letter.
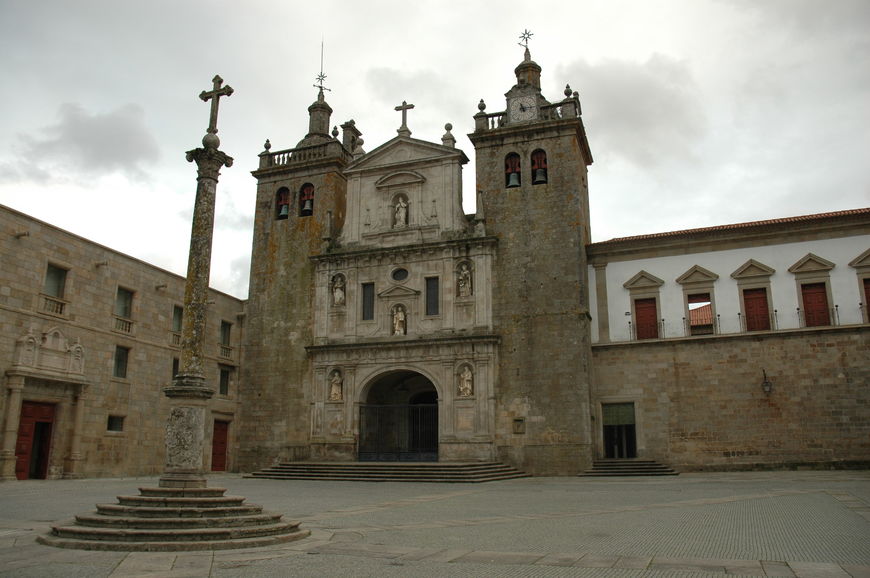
x: 390, y: 433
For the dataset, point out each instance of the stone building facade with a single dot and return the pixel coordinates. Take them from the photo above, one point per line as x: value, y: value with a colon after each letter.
x: 88, y: 339
x: 385, y: 324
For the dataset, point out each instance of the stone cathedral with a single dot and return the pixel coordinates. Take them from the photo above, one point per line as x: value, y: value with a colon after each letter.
x: 384, y: 324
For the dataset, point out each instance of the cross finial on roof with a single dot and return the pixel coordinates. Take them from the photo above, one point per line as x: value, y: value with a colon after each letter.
x: 404, y: 107
x: 321, y: 77
x: 524, y: 38
x: 214, y: 95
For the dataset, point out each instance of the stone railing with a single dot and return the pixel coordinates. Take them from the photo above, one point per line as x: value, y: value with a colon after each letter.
x: 123, y: 325
x: 568, y: 108
x: 225, y: 351
x: 175, y: 339
x: 53, y: 305
x: 303, y: 154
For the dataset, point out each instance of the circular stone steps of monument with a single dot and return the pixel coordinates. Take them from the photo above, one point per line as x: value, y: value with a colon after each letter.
x: 180, y: 502
x: 174, y: 519
x: 98, y: 521
x: 166, y: 512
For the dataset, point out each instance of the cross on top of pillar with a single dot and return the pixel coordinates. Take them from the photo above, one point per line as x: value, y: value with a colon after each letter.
x: 404, y: 107
x: 214, y: 95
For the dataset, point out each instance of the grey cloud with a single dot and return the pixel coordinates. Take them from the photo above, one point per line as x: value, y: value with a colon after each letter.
x: 86, y: 144
x: 642, y: 112
x: 811, y: 18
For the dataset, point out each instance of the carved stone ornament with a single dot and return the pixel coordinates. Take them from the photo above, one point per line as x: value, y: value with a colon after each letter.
x: 184, y: 437
x: 464, y: 287
x: 338, y: 291
x: 466, y: 382
x: 336, y: 386
x: 400, y: 321
x: 400, y: 213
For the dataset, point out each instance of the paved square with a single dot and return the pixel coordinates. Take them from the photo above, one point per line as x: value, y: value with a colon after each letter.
x: 804, y: 524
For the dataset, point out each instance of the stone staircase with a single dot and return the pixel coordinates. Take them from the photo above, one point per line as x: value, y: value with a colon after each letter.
x: 628, y: 467
x: 174, y: 519
x: 459, y: 472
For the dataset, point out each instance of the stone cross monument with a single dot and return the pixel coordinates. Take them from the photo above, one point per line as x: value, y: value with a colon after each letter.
x: 189, y: 393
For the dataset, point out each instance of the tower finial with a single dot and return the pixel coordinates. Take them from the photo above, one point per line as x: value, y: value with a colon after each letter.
x: 524, y: 39
x: 321, y: 77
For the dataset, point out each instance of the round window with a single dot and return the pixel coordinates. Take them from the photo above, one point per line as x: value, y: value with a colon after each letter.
x: 400, y: 274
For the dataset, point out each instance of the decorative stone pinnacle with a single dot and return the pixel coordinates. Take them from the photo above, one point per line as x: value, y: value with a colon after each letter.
x: 481, y: 106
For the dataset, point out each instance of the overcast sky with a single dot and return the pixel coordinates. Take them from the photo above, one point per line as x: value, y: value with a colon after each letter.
x: 698, y: 112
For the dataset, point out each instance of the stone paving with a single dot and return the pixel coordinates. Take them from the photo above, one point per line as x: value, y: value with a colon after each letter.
x: 804, y: 524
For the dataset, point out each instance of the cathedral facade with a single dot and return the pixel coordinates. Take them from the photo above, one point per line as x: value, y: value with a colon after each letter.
x: 384, y: 324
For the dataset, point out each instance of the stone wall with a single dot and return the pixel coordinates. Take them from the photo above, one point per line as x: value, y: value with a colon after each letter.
x: 699, y: 402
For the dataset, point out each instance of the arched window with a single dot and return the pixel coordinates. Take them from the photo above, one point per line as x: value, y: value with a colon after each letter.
x: 512, y: 170
x: 539, y: 167
x: 306, y: 200
x: 282, y: 203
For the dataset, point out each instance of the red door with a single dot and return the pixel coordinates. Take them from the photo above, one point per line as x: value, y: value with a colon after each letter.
x: 646, y: 318
x: 34, y: 440
x: 755, y: 306
x: 815, y: 305
x: 219, y: 446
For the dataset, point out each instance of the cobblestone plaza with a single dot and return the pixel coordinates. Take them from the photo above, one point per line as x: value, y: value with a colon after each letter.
x: 803, y: 523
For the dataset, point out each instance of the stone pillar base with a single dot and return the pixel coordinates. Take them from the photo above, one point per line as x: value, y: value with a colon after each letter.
x: 182, y: 481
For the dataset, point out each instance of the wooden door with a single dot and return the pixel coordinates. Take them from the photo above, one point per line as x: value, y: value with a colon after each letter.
x: 755, y: 307
x: 815, y: 305
x: 219, y: 446
x: 646, y: 318
x: 33, y: 445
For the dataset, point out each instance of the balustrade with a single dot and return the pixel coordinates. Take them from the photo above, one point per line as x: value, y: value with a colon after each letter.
x: 53, y: 305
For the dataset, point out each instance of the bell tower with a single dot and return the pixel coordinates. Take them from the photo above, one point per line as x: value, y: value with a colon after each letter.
x: 301, y: 194
x: 531, y: 162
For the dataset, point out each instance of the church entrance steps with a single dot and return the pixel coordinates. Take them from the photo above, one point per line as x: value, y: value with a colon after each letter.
x: 629, y: 467
x: 438, y: 472
x: 170, y: 519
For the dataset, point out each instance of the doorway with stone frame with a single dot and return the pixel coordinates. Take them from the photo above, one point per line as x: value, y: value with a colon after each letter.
x: 398, y: 421
x: 33, y: 445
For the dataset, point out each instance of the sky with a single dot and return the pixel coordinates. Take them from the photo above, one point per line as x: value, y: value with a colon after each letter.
x: 698, y: 112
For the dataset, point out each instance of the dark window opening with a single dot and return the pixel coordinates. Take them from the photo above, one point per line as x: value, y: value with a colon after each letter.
x: 512, y: 170
x: 177, y: 316
x: 115, y: 423
x: 368, y: 301
x: 55, y: 281
x: 122, y: 354
x: 431, y: 295
x: 306, y: 200
x: 282, y: 203
x: 175, y: 366
x: 539, y: 167
x: 226, y: 374
x: 226, y: 330
x: 124, y: 303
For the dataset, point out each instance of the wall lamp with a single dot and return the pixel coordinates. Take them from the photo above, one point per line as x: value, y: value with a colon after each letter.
x: 766, y: 384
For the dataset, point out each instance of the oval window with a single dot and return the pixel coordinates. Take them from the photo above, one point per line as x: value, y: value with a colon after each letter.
x: 400, y: 274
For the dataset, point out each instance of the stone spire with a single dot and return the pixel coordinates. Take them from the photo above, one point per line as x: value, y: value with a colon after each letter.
x: 528, y: 72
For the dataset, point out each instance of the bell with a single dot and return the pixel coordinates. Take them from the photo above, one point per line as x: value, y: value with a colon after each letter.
x: 308, y: 207
x: 513, y: 180
x: 284, y: 211
x: 540, y: 177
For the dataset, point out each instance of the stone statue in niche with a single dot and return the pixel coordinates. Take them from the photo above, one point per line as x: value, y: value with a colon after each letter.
x: 399, y: 320
x: 464, y: 281
x: 338, y: 295
x: 336, y: 385
x: 401, y: 213
x: 466, y: 382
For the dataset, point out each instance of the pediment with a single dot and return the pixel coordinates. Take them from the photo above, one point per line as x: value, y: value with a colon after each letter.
x: 810, y: 264
x: 643, y: 280
x: 405, y: 151
x: 752, y: 268
x: 397, y: 291
x: 862, y: 261
x: 399, y: 178
x: 697, y: 274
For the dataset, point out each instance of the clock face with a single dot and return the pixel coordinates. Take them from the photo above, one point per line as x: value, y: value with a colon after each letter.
x: 523, y: 108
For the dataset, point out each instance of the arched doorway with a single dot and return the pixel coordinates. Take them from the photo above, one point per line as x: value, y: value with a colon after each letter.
x: 398, y: 419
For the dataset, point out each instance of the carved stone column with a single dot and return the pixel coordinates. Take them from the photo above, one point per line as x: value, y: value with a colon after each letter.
x: 71, y: 468
x: 10, y: 428
x: 189, y: 393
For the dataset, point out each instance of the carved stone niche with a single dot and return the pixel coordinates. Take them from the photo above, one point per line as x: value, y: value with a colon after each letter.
x: 49, y: 352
